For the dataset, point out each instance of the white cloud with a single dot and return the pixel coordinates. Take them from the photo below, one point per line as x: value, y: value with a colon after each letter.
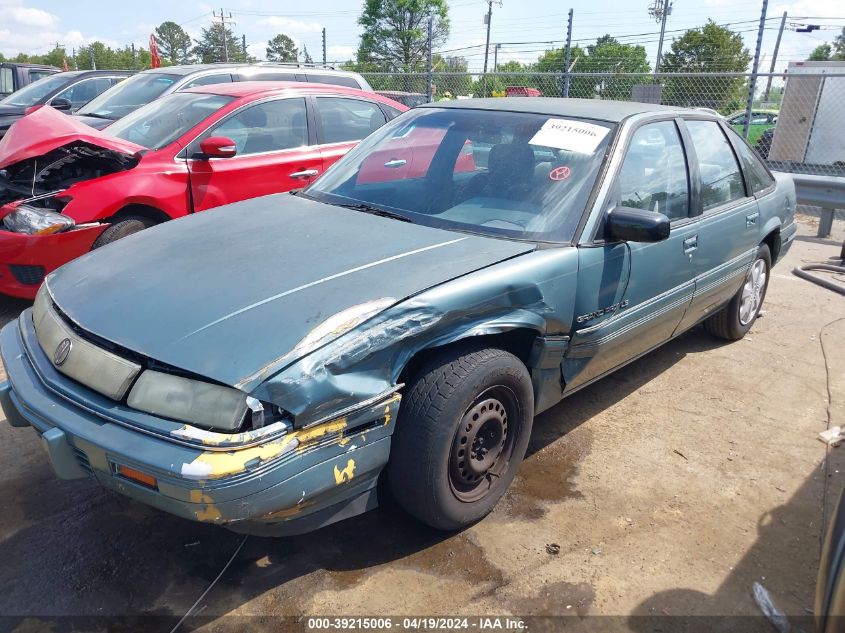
x: 34, y: 31
x: 27, y: 16
x: 287, y: 25
x: 337, y: 53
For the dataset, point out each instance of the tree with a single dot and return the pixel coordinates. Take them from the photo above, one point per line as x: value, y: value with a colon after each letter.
x: 604, y: 61
x: 210, y: 47
x: 306, y: 58
x: 395, y: 36
x: 839, y: 46
x: 282, y: 49
x: 820, y: 53
x: 710, y: 48
x: 174, y: 44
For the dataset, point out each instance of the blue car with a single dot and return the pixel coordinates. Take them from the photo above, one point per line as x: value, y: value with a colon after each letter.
x: 263, y: 366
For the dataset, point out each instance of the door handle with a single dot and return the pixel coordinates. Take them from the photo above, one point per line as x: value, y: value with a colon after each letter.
x: 305, y: 173
x: 751, y: 219
x: 690, y: 244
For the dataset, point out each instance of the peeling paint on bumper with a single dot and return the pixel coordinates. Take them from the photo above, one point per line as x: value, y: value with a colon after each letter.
x: 304, y: 479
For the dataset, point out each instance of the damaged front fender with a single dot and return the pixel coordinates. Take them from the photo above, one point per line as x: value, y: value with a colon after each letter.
x: 527, y: 293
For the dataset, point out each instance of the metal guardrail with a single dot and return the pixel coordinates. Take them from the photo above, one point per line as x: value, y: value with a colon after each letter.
x: 827, y: 192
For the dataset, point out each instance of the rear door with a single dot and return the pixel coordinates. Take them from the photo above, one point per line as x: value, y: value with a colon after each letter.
x: 632, y: 296
x: 729, y: 220
x: 342, y: 122
x: 275, y: 154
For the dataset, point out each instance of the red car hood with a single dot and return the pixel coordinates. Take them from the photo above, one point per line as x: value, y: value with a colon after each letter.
x: 47, y: 129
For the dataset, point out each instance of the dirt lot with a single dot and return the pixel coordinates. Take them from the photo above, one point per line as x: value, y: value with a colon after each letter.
x: 666, y: 489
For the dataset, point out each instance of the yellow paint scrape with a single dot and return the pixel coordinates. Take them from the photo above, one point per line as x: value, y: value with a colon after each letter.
x: 341, y: 476
x: 213, y: 465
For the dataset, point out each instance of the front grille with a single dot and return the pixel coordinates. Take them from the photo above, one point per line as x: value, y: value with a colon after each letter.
x: 82, y: 458
x: 27, y: 275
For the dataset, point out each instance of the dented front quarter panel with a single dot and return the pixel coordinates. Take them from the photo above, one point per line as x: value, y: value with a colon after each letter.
x: 534, y: 292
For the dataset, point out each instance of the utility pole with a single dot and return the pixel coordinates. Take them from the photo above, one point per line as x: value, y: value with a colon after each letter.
x: 775, y: 57
x: 324, y: 46
x: 487, y: 19
x: 496, y: 48
x: 430, y: 78
x: 660, y: 11
x: 567, y: 56
x: 224, y: 20
x: 133, y: 56
x: 93, y: 61
x: 752, y: 84
x: 243, y: 46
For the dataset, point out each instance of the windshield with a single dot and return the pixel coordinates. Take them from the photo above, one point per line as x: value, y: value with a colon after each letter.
x: 128, y: 95
x: 509, y: 174
x: 162, y: 122
x: 36, y: 92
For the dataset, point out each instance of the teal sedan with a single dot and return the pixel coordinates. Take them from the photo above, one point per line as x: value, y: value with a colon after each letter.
x: 265, y: 365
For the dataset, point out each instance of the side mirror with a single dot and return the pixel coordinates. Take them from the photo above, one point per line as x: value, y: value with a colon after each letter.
x: 217, y: 147
x: 636, y: 225
x: 63, y: 105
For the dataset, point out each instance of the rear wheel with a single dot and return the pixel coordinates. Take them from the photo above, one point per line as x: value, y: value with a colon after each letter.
x: 734, y: 320
x: 462, y: 432
x: 122, y: 228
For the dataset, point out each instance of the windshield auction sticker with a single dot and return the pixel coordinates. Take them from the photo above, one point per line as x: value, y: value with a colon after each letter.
x: 574, y: 136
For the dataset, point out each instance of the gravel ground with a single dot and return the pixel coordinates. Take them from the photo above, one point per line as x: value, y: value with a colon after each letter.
x: 666, y: 489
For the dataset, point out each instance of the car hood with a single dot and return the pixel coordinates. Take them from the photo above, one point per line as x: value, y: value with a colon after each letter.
x: 236, y: 292
x: 46, y: 129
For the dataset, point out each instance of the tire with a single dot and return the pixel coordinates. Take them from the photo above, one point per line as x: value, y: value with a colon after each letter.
x: 430, y: 473
x: 734, y: 320
x: 126, y: 226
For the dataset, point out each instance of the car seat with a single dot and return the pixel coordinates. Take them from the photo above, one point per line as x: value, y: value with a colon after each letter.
x: 258, y: 138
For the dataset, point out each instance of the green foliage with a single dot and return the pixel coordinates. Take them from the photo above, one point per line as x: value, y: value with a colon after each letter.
x: 830, y: 52
x: 711, y: 48
x: 174, y: 44
x: 395, y: 37
x: 306, y: 58
x: 282, y: 49
x: 210, y: 47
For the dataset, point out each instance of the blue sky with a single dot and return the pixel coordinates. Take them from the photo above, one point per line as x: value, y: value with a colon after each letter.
x: 34, y: 26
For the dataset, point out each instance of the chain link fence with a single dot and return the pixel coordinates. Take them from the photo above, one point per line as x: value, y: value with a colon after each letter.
x: 796, y: 121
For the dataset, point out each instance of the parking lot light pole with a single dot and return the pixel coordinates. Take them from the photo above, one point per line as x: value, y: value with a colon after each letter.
x: 775, y: 57
x: 753, y: 81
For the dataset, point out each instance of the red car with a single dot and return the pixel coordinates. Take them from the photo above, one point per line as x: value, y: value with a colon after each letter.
x: 66, y: 188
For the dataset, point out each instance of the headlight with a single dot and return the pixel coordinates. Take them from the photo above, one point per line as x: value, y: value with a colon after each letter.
x: 187, y: 400
x: 35, y: 221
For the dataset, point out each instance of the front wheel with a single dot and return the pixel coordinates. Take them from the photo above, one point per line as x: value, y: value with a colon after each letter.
x: 122, y: 228
x: 734, y: 320
x: 462, y: 432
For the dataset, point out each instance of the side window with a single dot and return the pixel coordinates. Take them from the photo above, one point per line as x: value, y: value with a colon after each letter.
x: 757, y: 174
x: 654, y: 173
x: 392, y: 112
x: 208, y: 80
x: 274, y: 76
x: 333, y: 80
x: 81, y: 93
x: 35, y: 75
x: 721, y: 180
x: 7, y: 81
x: 266, y: 127
x: 348, y: 119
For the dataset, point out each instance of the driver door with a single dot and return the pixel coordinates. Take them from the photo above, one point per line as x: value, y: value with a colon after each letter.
x: 275, y: 153
x: 631, y: 296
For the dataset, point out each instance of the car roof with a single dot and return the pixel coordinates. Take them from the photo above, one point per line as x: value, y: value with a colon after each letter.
x: 253, y: 88
x: 29, y: 65
x: 71, y: 74
x: 189, y: 69
x: 613, y: 111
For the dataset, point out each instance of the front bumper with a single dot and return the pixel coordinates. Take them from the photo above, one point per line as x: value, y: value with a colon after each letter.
x: 26, y: 259
x: 323, y: 477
